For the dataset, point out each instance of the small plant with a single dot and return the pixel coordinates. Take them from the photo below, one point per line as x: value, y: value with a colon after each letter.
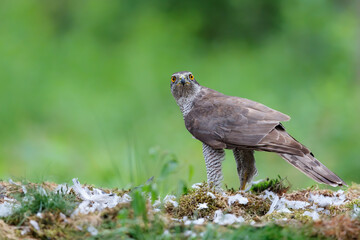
x: 38, y: 200
x: 278, y: 185
x: 138, y: 204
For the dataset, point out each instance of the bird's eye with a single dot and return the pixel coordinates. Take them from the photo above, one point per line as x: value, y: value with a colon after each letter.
x: 173, y: 78
x: 191, y: 77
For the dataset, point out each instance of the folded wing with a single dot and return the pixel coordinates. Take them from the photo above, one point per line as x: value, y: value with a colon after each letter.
x: 225, y: 122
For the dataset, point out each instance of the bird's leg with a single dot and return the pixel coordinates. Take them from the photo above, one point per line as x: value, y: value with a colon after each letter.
x: 213, y: 159
x: 246, y: 168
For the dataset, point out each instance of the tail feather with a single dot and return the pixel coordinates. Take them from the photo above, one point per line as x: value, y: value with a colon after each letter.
x: 314, y: 169
x: 279, y: 141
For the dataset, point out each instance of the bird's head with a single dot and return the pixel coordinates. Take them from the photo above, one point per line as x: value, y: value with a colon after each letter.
x: 183, y: 85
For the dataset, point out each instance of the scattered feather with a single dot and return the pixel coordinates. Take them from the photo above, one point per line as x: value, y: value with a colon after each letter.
x: 24, y: 189
x: 12, y: 182
x: 63, y: 217
x: 284, y: 210
x: 95, y: 200
x: 274, y: 198
x: 8, y: 207
x: 189, y: 233
x: 196, y: 185
x: 157, y: 203
x: 92, y: 230
x: 210, y: 194
x: 35, y: 225
x: 24, y: 231
x: 202, y: 206
x: 226, y: 219
x: 258, y: 181
x: 199, y: 221
x: 125, y: 198
x: 237, y: 198
x: 282, y: 205
x: 294, y: 204
x: 324, y: 201
x: 314, y: 215
x: 166, y: 233
x: 171, y: 200
x: 356, y: 212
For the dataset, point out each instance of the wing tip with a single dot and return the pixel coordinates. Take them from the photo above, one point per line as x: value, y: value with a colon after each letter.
x: 286, y: 118
x: 283, y: 117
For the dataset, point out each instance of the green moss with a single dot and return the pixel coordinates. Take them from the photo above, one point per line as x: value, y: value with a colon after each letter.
x: 257, y: 206
x: 299, y: 215
x: 295, y: 215
x: 278, y: 185
x: 189, y: 203
x: 350, y: 204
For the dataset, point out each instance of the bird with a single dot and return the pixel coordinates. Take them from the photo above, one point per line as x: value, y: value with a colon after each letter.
x: 227, y: 122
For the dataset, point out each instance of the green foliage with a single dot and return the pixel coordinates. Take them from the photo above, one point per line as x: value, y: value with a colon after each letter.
x: 277, y: 185
x: 38, y: 200
x: 168, y: 165
x: 138, y: 204
x: 182, y: 188
x: 168, y: 168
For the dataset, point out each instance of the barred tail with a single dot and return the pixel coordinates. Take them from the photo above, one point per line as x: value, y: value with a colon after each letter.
x: 314, y: 169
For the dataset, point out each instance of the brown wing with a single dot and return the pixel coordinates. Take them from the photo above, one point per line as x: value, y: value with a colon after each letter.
x: 226, y: 122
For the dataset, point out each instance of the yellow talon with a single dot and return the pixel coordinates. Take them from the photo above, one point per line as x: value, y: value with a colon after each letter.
x: 243, y: 184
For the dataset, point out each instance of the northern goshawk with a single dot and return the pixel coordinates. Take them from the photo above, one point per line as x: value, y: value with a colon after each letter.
x: 225, y: 122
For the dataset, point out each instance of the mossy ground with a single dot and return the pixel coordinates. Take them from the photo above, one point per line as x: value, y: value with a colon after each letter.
x: 138, y: 220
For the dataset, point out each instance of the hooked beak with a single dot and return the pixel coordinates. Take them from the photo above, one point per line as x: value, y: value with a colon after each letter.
x: 183, y: 80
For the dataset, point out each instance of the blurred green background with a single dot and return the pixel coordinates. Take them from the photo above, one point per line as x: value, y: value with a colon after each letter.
x: 85, y: 85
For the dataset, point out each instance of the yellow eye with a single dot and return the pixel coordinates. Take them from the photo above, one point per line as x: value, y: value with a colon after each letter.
x: 173, y: 78
x: 191, y: 77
